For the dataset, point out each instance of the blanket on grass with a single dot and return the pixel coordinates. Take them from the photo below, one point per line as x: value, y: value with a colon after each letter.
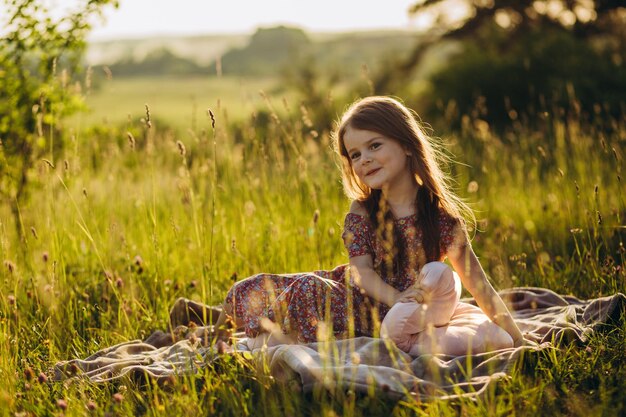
x: 364, y: 364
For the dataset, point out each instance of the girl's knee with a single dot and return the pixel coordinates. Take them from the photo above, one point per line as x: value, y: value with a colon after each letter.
x: 438, y: 278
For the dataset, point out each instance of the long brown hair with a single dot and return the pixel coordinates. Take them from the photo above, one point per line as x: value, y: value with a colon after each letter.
x: 390, y: 118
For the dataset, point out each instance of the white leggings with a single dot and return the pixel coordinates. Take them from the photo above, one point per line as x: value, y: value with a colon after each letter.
x: 442, y: 324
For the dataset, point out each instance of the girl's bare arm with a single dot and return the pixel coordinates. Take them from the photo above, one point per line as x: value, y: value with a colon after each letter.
x: 366, y: 278
x: 473, y: 277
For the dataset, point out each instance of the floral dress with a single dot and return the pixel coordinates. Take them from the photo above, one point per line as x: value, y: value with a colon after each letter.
x: 298, y: 303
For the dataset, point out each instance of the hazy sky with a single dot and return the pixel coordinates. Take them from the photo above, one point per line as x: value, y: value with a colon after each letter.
x: 149, y: 17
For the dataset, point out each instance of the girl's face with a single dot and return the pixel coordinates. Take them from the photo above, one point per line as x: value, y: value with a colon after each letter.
x: 377, y: 160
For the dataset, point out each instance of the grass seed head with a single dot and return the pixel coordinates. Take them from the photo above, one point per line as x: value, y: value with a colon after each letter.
x: 212, y: 116
x: 131, y: 140
x: 181, y: 148
x: 148, y: 120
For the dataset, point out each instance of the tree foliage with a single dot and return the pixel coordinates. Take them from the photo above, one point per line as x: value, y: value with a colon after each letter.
x: 39, y: 57
x: 268, y: 51
x: 523, y: 56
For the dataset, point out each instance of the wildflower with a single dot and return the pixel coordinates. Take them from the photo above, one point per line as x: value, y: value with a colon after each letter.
x: 62, y: 404
x: 138, y: 262
x: 316, y: 216
x: 118, y: 397
x: 11, y: 299
x: 45, y: 256
x: 91, y: 405
x: 472, y: 187
x: 29, y: 374
x: 119, y: 282
x: 42, y: 378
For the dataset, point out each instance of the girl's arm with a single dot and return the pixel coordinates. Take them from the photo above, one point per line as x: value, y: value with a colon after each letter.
x: 365, y: 277
x: 473, y: 277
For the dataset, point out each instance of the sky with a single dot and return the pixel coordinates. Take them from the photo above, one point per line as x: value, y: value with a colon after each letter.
x: 141, y: 18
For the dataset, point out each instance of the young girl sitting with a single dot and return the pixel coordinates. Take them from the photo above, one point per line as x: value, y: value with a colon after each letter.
x: 404, y: 220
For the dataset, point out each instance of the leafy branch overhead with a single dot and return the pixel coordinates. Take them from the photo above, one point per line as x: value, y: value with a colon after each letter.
x: 503, y: 24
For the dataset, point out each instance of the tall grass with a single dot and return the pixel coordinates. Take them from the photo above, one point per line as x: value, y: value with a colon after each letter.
x: 132, y: 217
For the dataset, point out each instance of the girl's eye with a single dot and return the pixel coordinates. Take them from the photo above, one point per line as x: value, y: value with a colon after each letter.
x: 355, y: 155
x: 375, y: 145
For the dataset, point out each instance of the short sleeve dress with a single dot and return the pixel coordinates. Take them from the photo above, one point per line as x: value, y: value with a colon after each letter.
x: 299, y: 303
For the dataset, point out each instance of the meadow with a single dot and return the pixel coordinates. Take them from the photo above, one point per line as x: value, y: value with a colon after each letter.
x: 141, y: 209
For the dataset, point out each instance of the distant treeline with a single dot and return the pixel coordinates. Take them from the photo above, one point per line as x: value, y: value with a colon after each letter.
x: 271, y: 50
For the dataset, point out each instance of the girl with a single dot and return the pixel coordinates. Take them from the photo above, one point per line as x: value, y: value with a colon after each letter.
x: 403, y: 222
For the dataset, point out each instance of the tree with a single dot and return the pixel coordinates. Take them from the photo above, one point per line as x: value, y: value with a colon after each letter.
x: 268, y: 51
x: 496, y: 36
x: 39, y: 56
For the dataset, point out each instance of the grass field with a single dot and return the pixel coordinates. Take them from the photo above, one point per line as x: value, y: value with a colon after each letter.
x: 178, y: 101
x: 115, y: 233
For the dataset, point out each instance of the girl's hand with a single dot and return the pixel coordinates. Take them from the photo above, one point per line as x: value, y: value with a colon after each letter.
x: 413, y: 294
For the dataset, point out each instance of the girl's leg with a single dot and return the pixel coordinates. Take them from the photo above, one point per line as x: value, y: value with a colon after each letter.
x: 405, y: 321
x: 470, y: 332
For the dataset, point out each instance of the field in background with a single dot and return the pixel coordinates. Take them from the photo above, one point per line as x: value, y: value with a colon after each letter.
x: 179, y: 101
